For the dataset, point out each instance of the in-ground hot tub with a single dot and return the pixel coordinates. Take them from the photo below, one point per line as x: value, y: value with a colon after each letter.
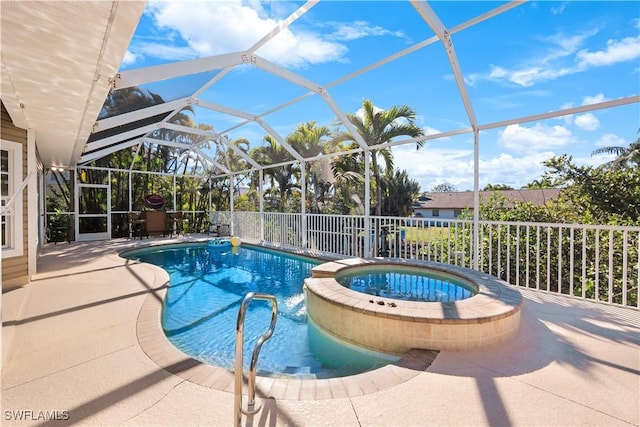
x: 395, y: 326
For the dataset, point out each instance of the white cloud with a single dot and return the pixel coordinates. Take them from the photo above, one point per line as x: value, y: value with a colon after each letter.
x: 540, y: 137
x: 515, y: 171
x: 163, y: 51
x: 611, y: 140
x: 589, y: 100
x: 218, y: 27
x: 626, y: 49
x: 428, y: 130
x: 129, y: 58
x: 347, y: 31
x: 554, y: 61
x: 558, y: 9
x: 300, y: 50
x: 529, y: 76
x: 498, y: 72
x: 431, y: 166
x: 587, y: 121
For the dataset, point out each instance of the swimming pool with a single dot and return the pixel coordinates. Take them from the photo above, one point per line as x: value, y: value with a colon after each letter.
x: 205, y: 292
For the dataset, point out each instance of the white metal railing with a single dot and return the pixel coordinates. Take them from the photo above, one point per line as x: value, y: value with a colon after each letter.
x: 594, y: 262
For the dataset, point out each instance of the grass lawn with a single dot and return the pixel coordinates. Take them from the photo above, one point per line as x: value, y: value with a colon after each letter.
x: 420, y: 234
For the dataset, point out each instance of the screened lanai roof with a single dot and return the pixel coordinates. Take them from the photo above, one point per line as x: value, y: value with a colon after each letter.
x: 58, y: 59
x: 248, y: 88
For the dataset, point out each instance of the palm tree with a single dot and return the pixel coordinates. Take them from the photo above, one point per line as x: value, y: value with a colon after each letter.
x: 625, y: 156
x: 401, y: 191
x: 309, y: 141
x: 348, y: 173
x: 282, y: 177
x: 545, y: 182
x: 377, y: 127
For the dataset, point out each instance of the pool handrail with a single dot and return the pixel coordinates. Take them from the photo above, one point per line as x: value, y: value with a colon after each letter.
x: 251, y: 409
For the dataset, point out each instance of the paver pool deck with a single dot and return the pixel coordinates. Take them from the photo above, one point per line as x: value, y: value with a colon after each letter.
x: 71, y: 344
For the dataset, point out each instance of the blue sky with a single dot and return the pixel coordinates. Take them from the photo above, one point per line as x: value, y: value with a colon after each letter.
x: 535, y: 58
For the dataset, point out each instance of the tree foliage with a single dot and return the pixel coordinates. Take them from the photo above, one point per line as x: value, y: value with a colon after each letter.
x: 399, y: 192
x: 497, y: 187
x: 595, y: 195
x: 444, y: 187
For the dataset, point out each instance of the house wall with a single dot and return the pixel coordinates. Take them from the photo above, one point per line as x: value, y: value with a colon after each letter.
x: 428, y: 213
x: 15, y: 270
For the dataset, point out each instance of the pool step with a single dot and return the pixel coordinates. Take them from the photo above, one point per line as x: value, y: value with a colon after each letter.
x: 297, y: 370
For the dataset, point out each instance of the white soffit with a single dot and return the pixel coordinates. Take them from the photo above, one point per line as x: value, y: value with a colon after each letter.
x: 58, y: 58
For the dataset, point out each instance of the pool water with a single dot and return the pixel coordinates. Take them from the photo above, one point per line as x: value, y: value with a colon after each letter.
x: 207, y: 286
x: 406, y: 283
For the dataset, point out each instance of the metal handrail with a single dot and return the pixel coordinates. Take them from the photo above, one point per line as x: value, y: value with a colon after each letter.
x: 251, y: 409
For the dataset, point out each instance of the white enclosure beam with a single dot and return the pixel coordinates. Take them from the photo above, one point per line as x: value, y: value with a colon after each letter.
x: 314, y: 87
x: 258, y: 120
x: 211, y: 82
x: 215, y: 136
x: 239, y: 152
x: 488, y: 15
x: 155, y: 73
x: 285, y: 74
x: 224, y: 109
x: 432, y: 19
x: 105, y: 142
x: 143, y: 113
x: 283, y: 25
x: 193, y: 131
x: 565, y: 112
x: 345, y: 120
x: 86, y: 158
x: 183, y: 146
x: 271, y: 131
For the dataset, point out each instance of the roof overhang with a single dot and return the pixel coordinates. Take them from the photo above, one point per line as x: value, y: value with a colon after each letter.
x: 59, y: 61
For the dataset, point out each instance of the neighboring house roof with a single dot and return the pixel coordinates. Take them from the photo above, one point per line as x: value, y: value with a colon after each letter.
x: 464, y: 199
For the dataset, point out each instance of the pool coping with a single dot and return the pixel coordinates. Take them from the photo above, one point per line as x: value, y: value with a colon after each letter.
x: 163, y: 353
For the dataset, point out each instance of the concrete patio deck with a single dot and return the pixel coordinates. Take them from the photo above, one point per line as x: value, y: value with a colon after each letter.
x: 71, y: 348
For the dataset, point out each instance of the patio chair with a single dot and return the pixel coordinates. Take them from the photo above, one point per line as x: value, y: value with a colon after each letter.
x: 176, y: 223
x: 155, y: 222
x: 135, y: 224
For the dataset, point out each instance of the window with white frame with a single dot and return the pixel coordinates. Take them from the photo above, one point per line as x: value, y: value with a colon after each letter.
x: 10, y: 180
x: 435, y: 212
